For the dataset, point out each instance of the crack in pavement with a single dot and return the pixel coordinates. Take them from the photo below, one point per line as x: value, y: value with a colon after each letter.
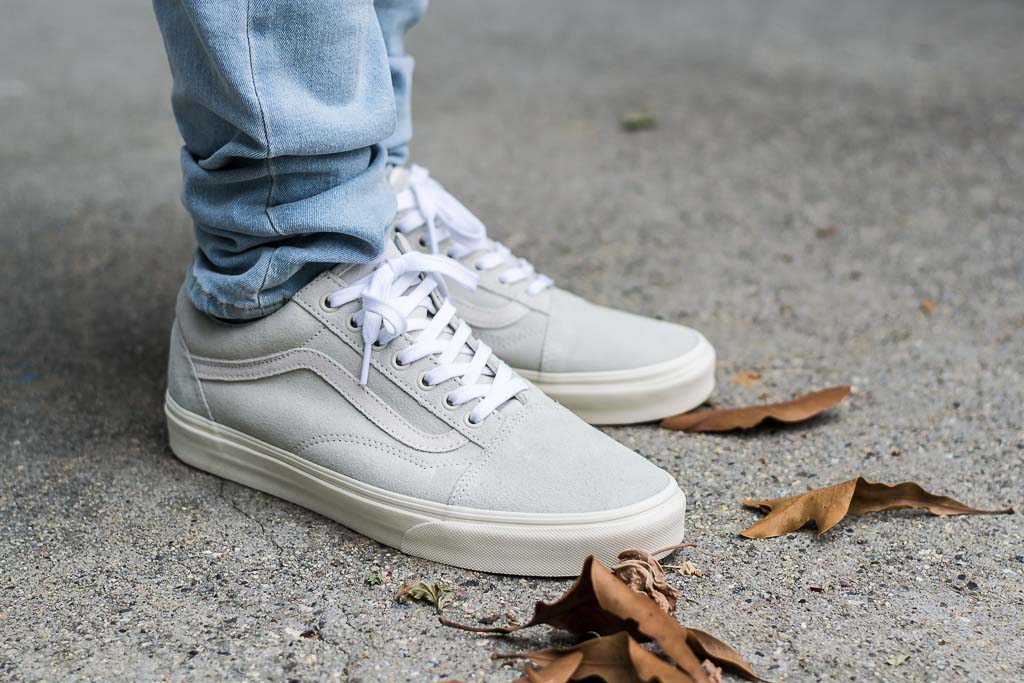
x: 252, y: 518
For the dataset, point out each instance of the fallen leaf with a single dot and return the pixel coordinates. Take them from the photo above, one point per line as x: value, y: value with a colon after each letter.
x: 437, y: 594
x: 687, y: 569
x: 747, y: 378
x: 374, y: 579
x: 726, y: 419
x: 642, y: 572
x: 826, y: 232
x: 827, y: 506
x: 598, y: 602
x: 897, y: 660
x: 612, y: 659
x: 641, y: 120
x: 559, y: 670
x: 927, y: 306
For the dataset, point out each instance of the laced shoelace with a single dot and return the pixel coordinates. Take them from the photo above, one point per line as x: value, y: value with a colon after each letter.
x: 426, y: 202
x: 395, y: 299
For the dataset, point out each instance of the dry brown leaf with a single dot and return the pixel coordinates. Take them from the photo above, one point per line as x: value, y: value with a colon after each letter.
x: 827, y: 506
x: 800, y: 408
x: 747, y: 378
x: 559, y: 670
x: 612, y: 659
x: 826, y: 232
x: 927, y: 306
x: 598, y: 602
x: 642, y: 572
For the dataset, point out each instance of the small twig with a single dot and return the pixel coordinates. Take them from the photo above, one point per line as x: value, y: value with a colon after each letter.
x: 495, y: 630
x: 672, y: 548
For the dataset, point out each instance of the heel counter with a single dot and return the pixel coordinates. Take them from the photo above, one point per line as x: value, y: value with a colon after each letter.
x: 182, y: 383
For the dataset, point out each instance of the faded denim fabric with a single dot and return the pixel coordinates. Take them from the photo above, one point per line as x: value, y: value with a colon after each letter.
x: 287, y: 109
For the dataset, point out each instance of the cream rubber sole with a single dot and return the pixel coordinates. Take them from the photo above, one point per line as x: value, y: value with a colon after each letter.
x: 529, y: 544
x: 642, y: 394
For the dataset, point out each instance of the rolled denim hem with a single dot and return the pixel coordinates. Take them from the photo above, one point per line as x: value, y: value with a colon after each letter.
x: 218, y: 308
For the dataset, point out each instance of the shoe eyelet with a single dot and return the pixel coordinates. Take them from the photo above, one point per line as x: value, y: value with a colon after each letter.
x: 325, y: 306
x: 447, y: 402
x: 423, y: 242
x: 477, y: 266
x: 469, y: 422
x: 377, y: 346
x: 397, y: 364
x: 351, y: 323
x: 422, y: 381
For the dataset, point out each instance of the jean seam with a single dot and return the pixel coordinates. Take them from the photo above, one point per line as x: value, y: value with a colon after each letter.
x: 263, y: 116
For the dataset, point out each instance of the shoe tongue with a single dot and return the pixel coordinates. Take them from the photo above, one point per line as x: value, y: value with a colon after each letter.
x: 392, y: 249
x: 395, y: 246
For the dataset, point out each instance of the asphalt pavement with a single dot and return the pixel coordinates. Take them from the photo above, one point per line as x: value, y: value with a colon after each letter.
x: 819, y: 173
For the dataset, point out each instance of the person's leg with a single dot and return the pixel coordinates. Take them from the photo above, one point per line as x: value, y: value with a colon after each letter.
x: 363, y: 396
x: 395, y: 18
x: 284, y: 108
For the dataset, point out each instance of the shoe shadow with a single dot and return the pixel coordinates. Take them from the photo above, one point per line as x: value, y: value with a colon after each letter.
x: 85, y: 332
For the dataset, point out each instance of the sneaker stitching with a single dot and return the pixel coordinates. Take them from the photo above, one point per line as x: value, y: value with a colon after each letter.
x: 451, y: 422
x: 355, y: 438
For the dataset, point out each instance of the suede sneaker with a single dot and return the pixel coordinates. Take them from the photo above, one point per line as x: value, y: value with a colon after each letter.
x: 607, y: 366
x: 368, y: 401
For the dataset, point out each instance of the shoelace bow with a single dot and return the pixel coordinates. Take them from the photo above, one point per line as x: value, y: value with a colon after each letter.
x: 426, y: 202
x: 392, y: 293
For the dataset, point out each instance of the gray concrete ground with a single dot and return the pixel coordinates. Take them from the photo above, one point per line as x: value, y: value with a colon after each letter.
x: 897, y: 123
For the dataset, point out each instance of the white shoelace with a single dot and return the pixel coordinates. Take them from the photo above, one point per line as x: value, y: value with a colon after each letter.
x: 395, y: 299
x: 426, y: 202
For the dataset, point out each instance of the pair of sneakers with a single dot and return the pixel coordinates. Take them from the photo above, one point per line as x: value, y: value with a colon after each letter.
x: 368, y: 399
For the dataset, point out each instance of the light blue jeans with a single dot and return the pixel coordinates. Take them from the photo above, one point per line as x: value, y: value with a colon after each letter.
x: 290, y: 111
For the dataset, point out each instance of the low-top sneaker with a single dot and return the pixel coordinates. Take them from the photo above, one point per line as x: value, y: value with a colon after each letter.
x: 607, y: 366
x: 366, y: 399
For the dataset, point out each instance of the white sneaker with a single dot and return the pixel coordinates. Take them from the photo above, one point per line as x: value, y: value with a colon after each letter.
x: 607, y: 366
x: 365, y: 399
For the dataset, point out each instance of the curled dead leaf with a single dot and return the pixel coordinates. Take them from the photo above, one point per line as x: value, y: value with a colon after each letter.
x: 827, y: 506
x: 598, y: 602
x: 642, y: 572
x: 726, y: 419
x: 612, y: 659
x: 559, y: 670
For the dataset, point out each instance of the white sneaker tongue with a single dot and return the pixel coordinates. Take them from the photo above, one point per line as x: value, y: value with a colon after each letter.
x: 350, y: 273
x: 395, y: 247
x: 466, y: 354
